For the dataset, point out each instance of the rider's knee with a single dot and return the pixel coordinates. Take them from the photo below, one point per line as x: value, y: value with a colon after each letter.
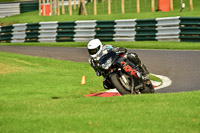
x: 133, y: 57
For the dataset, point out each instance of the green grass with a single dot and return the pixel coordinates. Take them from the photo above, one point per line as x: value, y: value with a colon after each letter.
x: 27, y: 17
x: 131, y: 45
x: 45, y: 95
x: 9, y: 0
x: 102, y: 15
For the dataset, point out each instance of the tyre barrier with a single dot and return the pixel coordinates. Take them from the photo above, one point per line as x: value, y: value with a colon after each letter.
x: 185, y: 29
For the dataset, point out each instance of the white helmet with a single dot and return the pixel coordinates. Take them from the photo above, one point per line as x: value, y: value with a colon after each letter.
x: 94, y: 47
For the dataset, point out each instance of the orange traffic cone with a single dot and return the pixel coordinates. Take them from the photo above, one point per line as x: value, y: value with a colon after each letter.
x: 83, y: 80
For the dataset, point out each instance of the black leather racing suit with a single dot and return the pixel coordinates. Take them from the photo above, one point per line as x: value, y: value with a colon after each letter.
x: 133, y: 57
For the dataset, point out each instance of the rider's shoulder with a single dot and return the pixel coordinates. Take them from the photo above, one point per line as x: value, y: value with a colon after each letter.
x: 90, y: 57
x: 107, y: 46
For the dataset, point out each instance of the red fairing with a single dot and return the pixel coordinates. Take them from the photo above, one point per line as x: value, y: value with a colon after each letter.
x: 128, y: 68
x: 121, y: 55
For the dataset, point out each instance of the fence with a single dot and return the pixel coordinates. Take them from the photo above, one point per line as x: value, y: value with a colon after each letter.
x: 159, y: 29
x: 96, y: 7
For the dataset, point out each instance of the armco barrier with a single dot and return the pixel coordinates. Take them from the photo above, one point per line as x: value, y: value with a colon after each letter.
x: 105, y: 30
x: 28, y: 6
x: 125, y: 30
x: 145, y: 30
x: 6, y: 33
x: 168, y: 29
x: 19, y: 33
x: 160, y: 29
x: 190, y: 29
x: 84, y: 30
x: 9, y: 9
x: 48, y: 31
x: 65, y: 31
x: 32, y: 32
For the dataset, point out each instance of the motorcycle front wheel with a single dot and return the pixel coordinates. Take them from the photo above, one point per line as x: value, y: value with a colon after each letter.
x: 123, y: 87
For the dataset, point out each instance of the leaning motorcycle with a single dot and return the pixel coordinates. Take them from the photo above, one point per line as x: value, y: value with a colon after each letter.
x: 123, y: 74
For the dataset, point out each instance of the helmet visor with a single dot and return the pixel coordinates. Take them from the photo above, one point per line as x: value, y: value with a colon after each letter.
x: 94, y: 51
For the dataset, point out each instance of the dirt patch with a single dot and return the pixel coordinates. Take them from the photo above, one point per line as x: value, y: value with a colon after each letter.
x: 5, y: 69
x: 26, y: 62
x: 5, y: 24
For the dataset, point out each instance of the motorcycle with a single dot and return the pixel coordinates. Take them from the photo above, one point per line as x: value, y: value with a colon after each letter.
x: 125, y: 76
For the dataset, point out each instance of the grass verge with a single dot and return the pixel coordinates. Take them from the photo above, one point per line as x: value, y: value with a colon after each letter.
x: 45, y: 95
x: 27, y: 17
x: 33, y: 17
x: 131, y: 45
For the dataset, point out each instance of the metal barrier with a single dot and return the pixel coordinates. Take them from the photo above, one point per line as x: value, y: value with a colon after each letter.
x: 48, y: 31
x: 19, y: 33
x: 125, y: 30
x: 32, y: 32
x: 6, y: 33
x: 190, y: 29
x: 145, y: 30
x: 105, y: 30
x: 28, y: 6
x: 84, y: 30
x: 9, y: 9
x: 65, y: 31
x: 160, y: 29
x: 168, y: 29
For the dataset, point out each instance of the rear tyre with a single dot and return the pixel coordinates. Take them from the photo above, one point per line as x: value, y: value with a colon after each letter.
x: 115, y: 79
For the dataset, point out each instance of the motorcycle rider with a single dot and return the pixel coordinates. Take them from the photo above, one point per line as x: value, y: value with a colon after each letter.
x: 97, y: 50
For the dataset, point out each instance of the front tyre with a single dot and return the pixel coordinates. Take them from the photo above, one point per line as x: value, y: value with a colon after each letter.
x: 115, y: 79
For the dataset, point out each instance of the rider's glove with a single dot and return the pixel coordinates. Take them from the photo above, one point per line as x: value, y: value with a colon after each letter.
x: 119, y: 50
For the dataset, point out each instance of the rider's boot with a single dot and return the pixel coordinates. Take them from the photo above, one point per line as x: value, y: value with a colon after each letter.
x: 107, y: 84
x: 133, y: 57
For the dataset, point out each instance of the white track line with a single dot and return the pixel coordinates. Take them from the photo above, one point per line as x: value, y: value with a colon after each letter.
x: 165, y: 83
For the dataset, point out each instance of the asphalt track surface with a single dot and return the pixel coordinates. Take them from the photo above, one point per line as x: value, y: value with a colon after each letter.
x: 182, y: 67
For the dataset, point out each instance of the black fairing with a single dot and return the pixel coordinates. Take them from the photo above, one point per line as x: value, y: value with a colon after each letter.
x: 104, y: 58
x: 116, y: 62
